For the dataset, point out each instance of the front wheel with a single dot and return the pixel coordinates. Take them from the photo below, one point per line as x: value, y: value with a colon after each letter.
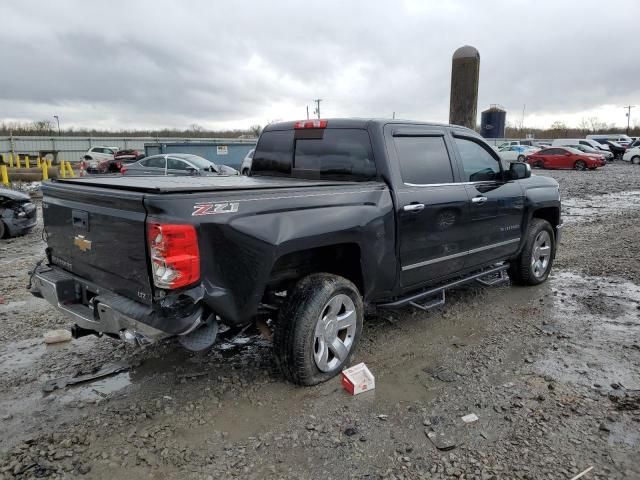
x: 539, y: 164
x: 533, y: 265
x: 521, y: 158
x: 635, y: 160
x: 580, y: 165
x: 318, y: 328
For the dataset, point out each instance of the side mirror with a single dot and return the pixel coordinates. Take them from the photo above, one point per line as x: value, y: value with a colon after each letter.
x: 518, y: 171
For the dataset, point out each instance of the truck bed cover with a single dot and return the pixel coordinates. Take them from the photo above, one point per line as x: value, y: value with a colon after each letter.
x: 169, y: 184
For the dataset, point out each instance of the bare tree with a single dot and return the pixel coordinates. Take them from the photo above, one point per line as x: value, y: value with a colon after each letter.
x: 42, y: 126
x: 255, y: 130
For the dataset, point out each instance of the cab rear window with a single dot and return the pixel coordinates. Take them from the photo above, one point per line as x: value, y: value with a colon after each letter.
x: 335, y: 154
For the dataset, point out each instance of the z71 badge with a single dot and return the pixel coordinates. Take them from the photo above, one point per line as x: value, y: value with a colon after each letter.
x: 214, y: 208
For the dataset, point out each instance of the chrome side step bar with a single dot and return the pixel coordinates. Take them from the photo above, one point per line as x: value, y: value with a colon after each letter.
x: 439, y: 291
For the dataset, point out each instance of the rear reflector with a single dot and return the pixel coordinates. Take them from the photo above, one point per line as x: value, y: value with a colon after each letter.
x: 310, y: 124
x: 175, y: 257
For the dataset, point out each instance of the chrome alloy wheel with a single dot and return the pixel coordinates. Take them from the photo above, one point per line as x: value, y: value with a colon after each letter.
x: 334, y: 334
x: 541, y: 255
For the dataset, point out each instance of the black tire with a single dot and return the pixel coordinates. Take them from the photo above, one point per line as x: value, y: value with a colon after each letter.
x: 592, y: 168
x: 521, y: 158
x: 539, y: 164
x: 580, y: 165
x: 3, y: 230
x: 635, y: 160
x: 294, y: 341
x: 521, y: 270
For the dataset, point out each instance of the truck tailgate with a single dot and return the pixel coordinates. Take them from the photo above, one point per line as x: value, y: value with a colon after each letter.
x: 99, y: 235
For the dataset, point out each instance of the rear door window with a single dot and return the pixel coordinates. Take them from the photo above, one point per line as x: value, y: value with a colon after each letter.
x: 154, y: 162
x: 423, y: 160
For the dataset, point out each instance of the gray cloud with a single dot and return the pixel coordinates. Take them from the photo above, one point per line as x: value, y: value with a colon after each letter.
x: 157, y: 64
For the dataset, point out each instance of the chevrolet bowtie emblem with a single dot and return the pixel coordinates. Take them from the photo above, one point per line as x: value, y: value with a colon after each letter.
x: 82, y: 243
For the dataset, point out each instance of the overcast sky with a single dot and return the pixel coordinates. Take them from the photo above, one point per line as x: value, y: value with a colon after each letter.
x: 155, y: 64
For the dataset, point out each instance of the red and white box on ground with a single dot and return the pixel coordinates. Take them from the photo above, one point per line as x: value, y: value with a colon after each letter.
x: 358, y: 379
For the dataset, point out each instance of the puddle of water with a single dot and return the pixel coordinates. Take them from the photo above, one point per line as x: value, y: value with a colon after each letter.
x: 594, y: 326
x: 594, y: 206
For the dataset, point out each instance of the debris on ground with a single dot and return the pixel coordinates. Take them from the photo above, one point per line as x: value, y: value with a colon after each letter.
x: 441, y: 440
x: 104, y: 371
x: 472, y: 417
x: 358, y: 379
x: 57, y: 336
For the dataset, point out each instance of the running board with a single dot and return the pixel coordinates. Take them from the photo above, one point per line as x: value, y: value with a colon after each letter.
x: 437, y: 301
x: 414, y: 298
x: 499, y: 278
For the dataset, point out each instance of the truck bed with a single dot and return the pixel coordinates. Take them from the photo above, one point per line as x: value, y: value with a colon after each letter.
x: 186, y: 184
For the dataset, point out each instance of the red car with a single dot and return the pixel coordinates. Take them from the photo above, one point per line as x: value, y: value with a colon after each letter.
x: 565, y: 157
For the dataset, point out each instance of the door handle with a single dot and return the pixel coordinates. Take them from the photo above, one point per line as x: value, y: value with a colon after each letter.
x: 413, y: 207
x: 479, y: 199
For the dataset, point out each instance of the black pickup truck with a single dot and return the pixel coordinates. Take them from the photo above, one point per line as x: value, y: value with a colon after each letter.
x: 337, y: 214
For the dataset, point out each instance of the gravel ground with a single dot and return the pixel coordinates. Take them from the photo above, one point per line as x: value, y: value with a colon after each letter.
x: 552, y: 373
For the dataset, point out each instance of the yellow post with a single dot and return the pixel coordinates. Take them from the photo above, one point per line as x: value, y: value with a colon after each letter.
x: 38, y: 162
x: 49, y: 162
x: 61, y: 170
x: 10, y: 159
x: 18, y: 160
x: 45, y: 171
x: 26, y: 161
x: 3, y: 175
x: 70, y: 169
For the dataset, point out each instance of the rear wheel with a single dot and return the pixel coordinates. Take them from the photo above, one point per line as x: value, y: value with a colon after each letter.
x: 534, y: 263
x: 3, y: 230
x: 580, y: 165
x: 521, y: 158
x: 318, y: 328
x: 635, y: 160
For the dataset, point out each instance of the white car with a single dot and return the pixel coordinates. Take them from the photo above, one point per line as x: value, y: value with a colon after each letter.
x: 516, y: 153
x: 100, y: 153
x: 632, y: 155
x: 245, y: 168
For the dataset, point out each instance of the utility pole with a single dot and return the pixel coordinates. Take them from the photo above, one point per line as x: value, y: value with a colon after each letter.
x: 522, y: 121
x: 317, y: 110
x: 394, y: 115
x: 628, y: 109
x: 307, y: 112
x: 57, y: 120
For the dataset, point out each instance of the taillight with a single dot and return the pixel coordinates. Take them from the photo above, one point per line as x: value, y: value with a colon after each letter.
x: 175, y: 257
x: 123, y: 169
x: 310, y: 124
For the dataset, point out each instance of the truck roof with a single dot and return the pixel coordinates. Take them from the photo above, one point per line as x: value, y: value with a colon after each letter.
x: 365, y: 123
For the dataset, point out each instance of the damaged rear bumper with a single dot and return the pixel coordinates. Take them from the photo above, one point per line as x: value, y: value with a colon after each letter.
x: 107, y: 312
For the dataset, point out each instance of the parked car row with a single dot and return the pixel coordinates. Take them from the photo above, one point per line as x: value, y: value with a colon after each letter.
x: 104, y: 160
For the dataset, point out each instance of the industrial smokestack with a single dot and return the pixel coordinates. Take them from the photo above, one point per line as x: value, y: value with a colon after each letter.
x: 465, y: 74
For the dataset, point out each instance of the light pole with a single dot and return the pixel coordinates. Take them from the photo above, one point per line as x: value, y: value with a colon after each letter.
x: 628, y: 109
x: 58, y: 121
